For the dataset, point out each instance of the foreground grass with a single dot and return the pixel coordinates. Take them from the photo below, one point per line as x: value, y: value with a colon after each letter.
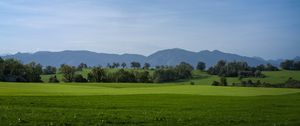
x: 146, y: 104
x: 159, y: 109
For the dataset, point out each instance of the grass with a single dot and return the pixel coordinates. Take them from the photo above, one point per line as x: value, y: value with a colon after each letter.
x: 23, y: 89
x: 155, y: 109
x: 177, y: 103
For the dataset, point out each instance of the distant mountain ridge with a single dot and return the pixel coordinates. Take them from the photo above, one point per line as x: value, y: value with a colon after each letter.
x: 163, y: 57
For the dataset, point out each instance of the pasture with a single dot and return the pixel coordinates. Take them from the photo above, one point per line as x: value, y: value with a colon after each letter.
x: 146, y: 104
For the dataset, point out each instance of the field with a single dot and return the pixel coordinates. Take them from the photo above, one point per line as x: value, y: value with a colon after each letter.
x: 177, y: 103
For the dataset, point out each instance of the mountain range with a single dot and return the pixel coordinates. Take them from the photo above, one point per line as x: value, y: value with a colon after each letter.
x: 163, y: 57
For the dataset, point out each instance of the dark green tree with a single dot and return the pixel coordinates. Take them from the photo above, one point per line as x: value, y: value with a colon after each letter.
x: 79, y: 78
x: 33, y: 72
x: 123, y: 65
x: 49, y: 70
x: 135, y: 65
x: 146, y: 66
x: 82, y: 66
x: 53, y: 79
x: 68, y: 72
x: 201, y: 66
x: 97, y: 74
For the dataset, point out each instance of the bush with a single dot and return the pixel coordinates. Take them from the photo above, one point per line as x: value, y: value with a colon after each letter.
x: 215, y: 83
x: 79, y: 78
x: 192, y: 83
x: 53, y: 79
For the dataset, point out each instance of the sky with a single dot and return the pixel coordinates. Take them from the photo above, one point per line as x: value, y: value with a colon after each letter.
x: 266, y: 28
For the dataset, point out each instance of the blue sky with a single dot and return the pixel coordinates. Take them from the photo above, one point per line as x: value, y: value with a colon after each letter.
x: 265, y: 28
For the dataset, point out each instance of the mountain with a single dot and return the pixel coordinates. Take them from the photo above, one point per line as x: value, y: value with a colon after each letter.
x: 163, y: 57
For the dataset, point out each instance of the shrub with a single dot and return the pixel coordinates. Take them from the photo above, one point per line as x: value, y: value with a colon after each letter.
x: 53, y: 79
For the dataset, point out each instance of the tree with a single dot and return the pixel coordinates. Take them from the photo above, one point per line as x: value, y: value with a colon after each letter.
x: 82, y: 66
x: 164, y: 75
x: 79, y: 78
x: 1, y: 69
x: 97, y: 74
x: 270, y: 67
x: 215, y: 83
x: 68, y: 72
x: 146, y: 66
x: 49, y: 70
x: 201, y: 66
x: 223, y: 81
x: 142, y: 77
x: 33, y: 72
x: 108, y: 65
x: 14, y: 71
x: 53, y: 79
x: 297, y: 65
x: 135, y: 65
x: 123, y: 65
x: 115, y: 65
x: 287, y: 65
x: 184, y: 70
x: 123, y: 76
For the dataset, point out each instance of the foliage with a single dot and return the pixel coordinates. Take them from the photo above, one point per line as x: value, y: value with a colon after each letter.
x: 68, y: 72
x: 290, y: 65
x: 53, y: 79
x: 201, y: 66
x: 14, y: 71
x: 82, y: 66
x: 135, y: 65
x: 79, y: 78
x: 97, y: 74
x: 49, y: 70
x: 238, y: 69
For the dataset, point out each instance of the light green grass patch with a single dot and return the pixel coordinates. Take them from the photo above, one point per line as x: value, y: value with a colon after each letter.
x: 39, y: 89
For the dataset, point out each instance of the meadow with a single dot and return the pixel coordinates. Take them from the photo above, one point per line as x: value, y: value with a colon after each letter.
x: 176, y: 103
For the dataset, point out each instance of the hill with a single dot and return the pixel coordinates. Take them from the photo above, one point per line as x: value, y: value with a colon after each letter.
x: 163, y: 57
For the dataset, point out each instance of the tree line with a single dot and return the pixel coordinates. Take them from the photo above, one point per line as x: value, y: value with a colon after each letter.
x: 290, y: 83
x: 239, y: 69
x: 99, y: 74
x: 12, y: 70
x: 290, y: 65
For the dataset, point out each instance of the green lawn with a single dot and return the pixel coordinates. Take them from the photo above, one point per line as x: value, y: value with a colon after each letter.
x: 177, y: 103
x: 146, y: 104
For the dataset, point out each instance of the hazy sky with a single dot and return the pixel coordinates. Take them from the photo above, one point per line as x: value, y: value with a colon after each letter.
x: 265, y: 28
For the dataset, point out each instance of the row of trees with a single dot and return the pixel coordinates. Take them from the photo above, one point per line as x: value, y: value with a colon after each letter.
x: 290, y: 83
x: 239, y: 69
x: 99, y: 74
x: 135, y: 65
x: 290, y: 65
x: 14, y: 71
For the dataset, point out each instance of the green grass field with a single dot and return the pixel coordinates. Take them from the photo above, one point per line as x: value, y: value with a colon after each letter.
x: 146, y: 104
x: 177, y: 103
